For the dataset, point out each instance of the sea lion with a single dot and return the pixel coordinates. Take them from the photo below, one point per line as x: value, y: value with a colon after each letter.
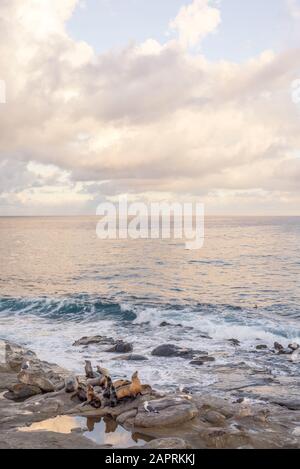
x: 110, y: 393
x: 93, y: 398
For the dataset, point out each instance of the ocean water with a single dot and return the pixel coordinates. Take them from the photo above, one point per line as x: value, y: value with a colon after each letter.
x: 59, y: 282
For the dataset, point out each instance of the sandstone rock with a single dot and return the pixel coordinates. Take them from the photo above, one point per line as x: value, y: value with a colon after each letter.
x: 22, y: 391
x: 36, y: 378
x: 120, y: 347
x: 96, y: 339
x: 126, y: 416
x: 261, y: 347
x: 170, y: 350
x: 13, y: 357
x: 167, y: 443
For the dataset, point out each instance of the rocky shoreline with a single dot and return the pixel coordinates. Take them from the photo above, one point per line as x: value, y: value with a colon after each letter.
x: 256, y: 410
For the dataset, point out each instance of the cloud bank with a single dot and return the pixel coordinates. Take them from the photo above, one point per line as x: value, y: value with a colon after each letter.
x: 147, y: 119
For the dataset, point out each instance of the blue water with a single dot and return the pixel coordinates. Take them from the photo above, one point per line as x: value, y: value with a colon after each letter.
x: 58, y: 282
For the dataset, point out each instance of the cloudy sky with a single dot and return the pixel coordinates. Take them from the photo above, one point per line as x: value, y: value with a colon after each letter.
x: 161, y: 100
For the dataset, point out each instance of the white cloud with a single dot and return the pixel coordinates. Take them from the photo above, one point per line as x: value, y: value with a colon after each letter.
x: 150, y: 118
x: 195, y: 21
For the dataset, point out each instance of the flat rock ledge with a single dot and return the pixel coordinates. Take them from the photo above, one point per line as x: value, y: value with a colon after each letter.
x: 174, y: 420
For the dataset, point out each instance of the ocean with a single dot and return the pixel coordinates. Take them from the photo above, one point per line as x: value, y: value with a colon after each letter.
x: 59, y: 282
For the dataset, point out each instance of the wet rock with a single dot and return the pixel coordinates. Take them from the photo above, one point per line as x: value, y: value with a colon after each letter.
x: 96, y: 339
x: 131, y: 357
x: 13, y: 357
x: 278, y: 347
x: 261, y: 347
x: 22, y: 391
x: 215, y: 418
x: 198, y: 361
x: 71, y: 384
x: 120, y: 347
x: 294, y: 346
x: 36, y: 378
x: 170, y: 350
x: 234, y: 342
x: 170, y: 411
x: 167, y: 443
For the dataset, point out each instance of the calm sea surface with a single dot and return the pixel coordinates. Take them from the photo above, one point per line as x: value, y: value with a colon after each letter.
x: 58, y: 282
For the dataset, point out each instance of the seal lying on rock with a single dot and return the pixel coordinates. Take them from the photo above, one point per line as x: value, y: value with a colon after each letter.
x: 130, y: 390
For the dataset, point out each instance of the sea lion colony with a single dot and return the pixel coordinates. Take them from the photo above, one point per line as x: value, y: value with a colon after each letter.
x: 98, y: 389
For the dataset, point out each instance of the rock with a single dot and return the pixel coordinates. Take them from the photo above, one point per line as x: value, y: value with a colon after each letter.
x: 120, y: 347
x: 96, y: 339
x: 167, y: 443
x: 235, y: 342
x: 170, y: 350
x: 201, y: 360
x: 294, y: 346
x: 171, y: 411
x: 36, y: 378
x: 131, y: 357
x: 215, y: 418
x: 166, y: 324
x: 130, y: 414
x: 278, y: 347
x: 261, y: 347
x: 22, y: 391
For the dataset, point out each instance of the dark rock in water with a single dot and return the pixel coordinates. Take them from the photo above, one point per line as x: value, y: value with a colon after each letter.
x: 96, y: 339
x: 131, y: 357
x: 278, y: 347
x: 235, y: 342
x: 22, y: 391
x: 294, y: 346
x: 120, y: 347
x: 261, y: 347
x: 171, y: 350
x: 201, y: 360
x: 167, y: 443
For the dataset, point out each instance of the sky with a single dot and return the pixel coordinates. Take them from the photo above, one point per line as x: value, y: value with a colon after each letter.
x: 168, y: 100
